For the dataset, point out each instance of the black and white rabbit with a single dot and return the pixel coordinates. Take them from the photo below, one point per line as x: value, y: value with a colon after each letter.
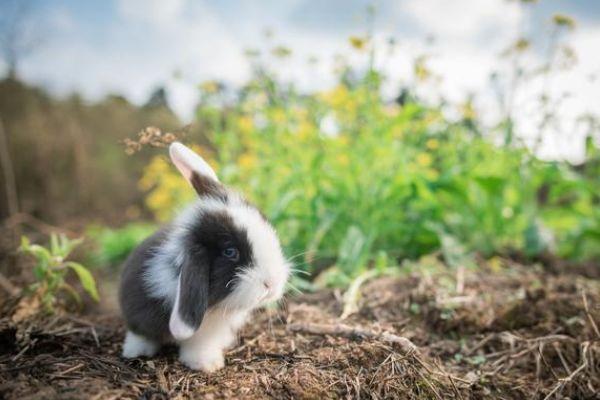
x: 195, y: 281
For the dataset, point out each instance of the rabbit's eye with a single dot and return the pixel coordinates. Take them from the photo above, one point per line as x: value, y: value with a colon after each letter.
x: 232, y: 253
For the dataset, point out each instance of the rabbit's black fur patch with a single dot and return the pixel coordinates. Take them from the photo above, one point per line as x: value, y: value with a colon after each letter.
x: 207, y: 276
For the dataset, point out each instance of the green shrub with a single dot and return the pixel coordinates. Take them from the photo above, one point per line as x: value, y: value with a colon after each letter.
x: 51, y: 268
x: 112, y: 246
x: 348, y: 177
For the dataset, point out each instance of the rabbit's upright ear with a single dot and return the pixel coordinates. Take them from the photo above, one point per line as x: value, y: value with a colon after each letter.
x: 191, y: 300
x: 197, y: 171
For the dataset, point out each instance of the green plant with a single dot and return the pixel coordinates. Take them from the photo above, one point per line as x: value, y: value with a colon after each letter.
x: 347, y: 176
x: 112, y: 246
x: 51, y: 268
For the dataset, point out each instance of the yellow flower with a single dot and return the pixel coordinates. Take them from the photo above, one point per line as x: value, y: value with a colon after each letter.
x: 278, y: 116
x: 495, y: 264
x: 305, y: 130
x: 359, y: 43
x: 424, y: 159
x: 210, y: 86
x: 522, y: 45
x: 281, y: 52
x: 158, y: 166
x: 247, y: 161
x: 431, y: 174
x: 432, y: 144
x: 420, y: 69
x: 343, y: 139
x: 343, y: 159
x: 246, y: 124
x: 300, y: 113
x: 397, y: 132
x: 468, y: 111
x: 564, y: 20
x: 337, y: 97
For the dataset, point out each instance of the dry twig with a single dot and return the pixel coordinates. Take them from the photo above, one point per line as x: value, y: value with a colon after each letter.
x: 351, y: 332
x: 589, y: 314
x: 563, y: 382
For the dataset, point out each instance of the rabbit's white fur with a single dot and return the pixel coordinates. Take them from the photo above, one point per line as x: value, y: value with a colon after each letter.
x: 257, y: 285
x: 204, y: 350
x: 262, y: 282
x: 136, y: 345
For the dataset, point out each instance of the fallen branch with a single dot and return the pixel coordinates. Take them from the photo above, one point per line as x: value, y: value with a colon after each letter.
x: 352, y: 332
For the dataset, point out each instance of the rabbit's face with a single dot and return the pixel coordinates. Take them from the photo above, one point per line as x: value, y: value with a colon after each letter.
x: 247, y: 266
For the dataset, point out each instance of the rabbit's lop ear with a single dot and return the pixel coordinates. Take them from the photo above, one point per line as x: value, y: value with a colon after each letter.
x: 191, y: 300
x: 197, y: 171
x: 188, y: 162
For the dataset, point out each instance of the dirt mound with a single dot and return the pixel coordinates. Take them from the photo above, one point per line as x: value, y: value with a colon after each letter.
x: 509, y: 333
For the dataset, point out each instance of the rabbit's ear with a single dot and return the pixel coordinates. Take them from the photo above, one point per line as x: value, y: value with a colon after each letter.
x: 197, y: 171
x: 191, y: 300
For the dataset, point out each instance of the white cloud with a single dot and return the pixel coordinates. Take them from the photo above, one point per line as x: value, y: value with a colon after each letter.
x: 151, y: 39
x: 158, y: 12
x: 463, y: 20
x: 140, y: 52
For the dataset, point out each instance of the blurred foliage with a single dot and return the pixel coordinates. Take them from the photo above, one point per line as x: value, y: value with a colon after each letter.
x: 349, y: 179
x: 66, y: 154
x: 112, y: 246
x: 51, y: 268
x: 352, y: 182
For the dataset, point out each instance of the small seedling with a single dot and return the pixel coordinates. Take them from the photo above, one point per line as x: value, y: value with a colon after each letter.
x: 51, y: 268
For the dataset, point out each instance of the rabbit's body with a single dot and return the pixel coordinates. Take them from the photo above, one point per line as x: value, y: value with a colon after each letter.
x: 149, y: 321
x: 196, y: 281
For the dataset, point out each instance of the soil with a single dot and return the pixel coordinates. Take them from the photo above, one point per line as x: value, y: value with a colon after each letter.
x: 501, y: 331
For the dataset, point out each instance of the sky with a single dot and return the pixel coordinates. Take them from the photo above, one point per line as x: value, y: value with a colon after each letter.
x: 130, y: 47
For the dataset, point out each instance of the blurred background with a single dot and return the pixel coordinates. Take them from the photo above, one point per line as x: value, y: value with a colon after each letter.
x: 370, y: 132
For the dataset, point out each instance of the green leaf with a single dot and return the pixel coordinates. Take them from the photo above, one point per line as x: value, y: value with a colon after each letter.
x: 68, y: 245
x: 39, y: 272
x: 25, y: 242
x: 351, y: 249
x: 41, y: 254
x: 86, y: 279
x: 54, y: 245
x: 324, y: 225
x: 492, y: 184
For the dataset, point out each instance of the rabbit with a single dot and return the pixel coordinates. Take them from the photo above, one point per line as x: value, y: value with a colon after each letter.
x: 195, y: 281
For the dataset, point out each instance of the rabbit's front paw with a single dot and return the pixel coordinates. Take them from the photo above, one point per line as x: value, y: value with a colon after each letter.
x: 138, y: 346
x: 206, y: 361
